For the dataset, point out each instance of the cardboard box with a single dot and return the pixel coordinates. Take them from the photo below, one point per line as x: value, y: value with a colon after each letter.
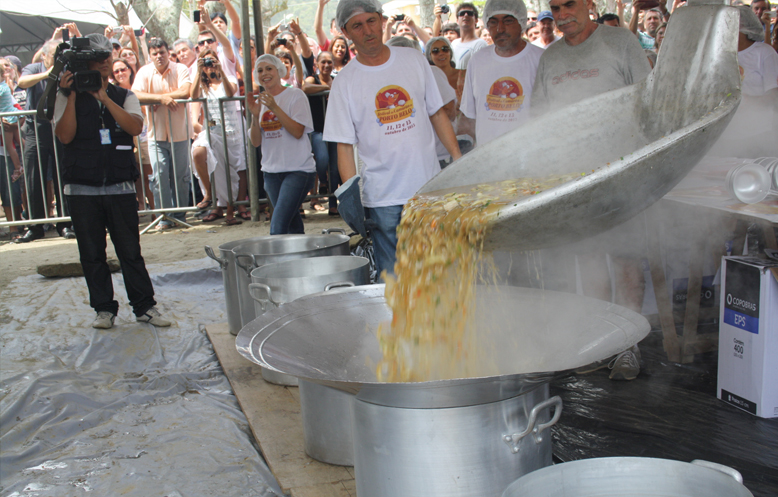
x: 748, y: 335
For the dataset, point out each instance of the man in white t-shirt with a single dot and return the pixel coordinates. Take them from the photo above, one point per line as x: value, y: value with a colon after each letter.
x: 589, y: 60
x: 387, y: 101
x: 547, y: 26
x: 498, y: 84
x: 467, y: 43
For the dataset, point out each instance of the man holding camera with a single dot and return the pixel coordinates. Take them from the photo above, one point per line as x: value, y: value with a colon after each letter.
x: 96, y: 129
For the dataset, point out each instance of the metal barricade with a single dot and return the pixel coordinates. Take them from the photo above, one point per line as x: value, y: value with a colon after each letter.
x: 176, y: 200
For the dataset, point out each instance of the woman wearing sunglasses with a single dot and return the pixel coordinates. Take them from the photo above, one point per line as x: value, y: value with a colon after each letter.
x: 439, y: 54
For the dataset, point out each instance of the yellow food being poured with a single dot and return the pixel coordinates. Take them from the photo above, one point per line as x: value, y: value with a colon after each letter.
x: 435, y: 333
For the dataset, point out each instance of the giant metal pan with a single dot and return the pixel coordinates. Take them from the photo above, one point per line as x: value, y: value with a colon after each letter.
x: 330, y: 338
x: 643, y: 138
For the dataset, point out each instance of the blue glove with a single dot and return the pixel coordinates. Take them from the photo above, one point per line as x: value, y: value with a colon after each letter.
x: 350, y: 205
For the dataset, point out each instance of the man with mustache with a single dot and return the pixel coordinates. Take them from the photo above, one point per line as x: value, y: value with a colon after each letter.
x: 498, y: 84
x: 589, y: 60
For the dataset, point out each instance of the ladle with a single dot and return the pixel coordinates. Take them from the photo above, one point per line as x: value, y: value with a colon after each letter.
x: 640, y: 140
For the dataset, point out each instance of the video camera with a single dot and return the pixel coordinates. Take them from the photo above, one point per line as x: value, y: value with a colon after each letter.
x: 75, y: 57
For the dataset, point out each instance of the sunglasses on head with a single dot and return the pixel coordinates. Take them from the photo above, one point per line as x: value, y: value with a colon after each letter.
x: 463, y: 13
x: 441, y: 49
x: 207, y: 40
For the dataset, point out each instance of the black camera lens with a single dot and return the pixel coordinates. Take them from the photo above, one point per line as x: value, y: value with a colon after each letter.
x: 281, y: 40
x: 444, y: 9
x: 399, y: 17
x: 208, y: 62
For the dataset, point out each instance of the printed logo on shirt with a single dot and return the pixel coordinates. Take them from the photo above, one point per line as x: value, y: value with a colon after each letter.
x: 573, y: 75
x: 506, y: 94
x: 393, y: 104
x: 270, y: 122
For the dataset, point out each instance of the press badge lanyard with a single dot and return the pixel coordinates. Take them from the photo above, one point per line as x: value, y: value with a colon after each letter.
x: 105, y: 134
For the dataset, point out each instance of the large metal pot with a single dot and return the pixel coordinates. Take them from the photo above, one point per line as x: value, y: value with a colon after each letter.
x: 471, y: 451
x: 279, y: 248
x: 282, y: 282
x: 630, y: 476
x: 229, y: 269
x: 328, y: 422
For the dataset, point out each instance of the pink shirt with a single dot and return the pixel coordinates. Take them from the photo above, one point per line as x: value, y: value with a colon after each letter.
x: 149, y: 80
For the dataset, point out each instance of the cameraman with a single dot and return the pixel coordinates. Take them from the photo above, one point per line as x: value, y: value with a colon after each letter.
x: 98, y: 170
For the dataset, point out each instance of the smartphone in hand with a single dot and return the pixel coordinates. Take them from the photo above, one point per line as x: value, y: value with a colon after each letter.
x: 196, y: 16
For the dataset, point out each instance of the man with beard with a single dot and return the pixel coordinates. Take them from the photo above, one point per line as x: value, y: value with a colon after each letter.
x: 498, y: 84
x: 589, y: 60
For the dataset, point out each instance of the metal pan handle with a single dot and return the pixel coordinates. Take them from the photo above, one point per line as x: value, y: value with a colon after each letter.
x: 209, y: 252
x: 248, y: 268
x: 735, y: 474
x: 263, y: 302
x: 338, y: 285
x: 537, y: 430
x: 330, y: 231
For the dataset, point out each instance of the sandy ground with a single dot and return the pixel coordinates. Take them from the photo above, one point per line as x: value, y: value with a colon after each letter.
x: 157, y: 246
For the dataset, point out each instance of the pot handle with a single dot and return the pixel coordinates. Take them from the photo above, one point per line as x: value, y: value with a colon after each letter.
x: 209, y: 253
x: 263, y: 302
x: 330, y: 231
x: 248, y: 268
x: 338, y: 285
x: 536, y: 430
x: 735, y: 474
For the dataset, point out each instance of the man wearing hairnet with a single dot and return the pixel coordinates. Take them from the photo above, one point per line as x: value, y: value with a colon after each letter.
x: 388, y: 103
x: 589, y: 60
x: 498, y: 84
x: 96, y: 129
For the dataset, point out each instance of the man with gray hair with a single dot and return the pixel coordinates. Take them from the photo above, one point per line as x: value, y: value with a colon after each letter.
x: 185, y: 54
x: 387, y: 101
x: 96, y: 129
x: 39, y: 143
x: 498, y: 84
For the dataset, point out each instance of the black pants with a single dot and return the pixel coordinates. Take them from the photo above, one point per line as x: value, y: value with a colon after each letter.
x: 119, y: 213
x: 45, y: 147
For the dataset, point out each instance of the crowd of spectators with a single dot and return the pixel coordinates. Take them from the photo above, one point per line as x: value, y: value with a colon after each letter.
x: 467, y: 51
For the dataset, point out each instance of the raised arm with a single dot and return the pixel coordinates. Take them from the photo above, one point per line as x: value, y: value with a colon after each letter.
x: 232, y: 14
x: 388, y: 30
x: 423, y: 36
x: 220, y: 37
x: 305, y: 47
x: 321, y: 36
x: 271, y: 36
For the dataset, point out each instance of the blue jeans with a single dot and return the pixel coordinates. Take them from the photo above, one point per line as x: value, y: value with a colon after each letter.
x: 170, y: 186
x: 326, y: 156
x: 286, y: 192
x: 384, y: 235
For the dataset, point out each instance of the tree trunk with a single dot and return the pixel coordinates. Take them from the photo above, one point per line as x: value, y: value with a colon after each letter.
x: 426, y: 12
x: 161, y: 21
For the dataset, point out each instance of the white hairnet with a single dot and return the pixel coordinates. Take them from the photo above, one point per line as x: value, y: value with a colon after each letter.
x: 750, y: 25
x: 432, y: 41
x: 99, y: 42
x: 515, y: 8
x: 272, y: 59
x: 350, y: 8
x: 402, y: 41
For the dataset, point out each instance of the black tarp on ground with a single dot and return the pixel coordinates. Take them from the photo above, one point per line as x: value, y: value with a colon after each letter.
x: 669, y: 411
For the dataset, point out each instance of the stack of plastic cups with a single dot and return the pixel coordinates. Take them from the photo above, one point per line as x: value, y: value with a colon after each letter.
x: 750, y: 183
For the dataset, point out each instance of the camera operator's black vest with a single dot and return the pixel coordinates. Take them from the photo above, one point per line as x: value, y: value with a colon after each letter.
x: 86, y: 161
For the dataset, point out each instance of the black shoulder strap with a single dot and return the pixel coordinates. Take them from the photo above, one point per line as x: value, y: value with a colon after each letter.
x: 46, y: 103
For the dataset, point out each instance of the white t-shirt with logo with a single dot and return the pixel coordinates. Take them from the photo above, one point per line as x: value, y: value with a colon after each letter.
x: 498, y: 91
x: 760, y: 69
x: 461, y: 48
x: 386, y: 110
x: 282, y: 152
x: 448, y: 94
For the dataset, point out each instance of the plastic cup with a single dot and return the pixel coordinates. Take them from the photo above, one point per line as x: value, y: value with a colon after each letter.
x: 749, y: 183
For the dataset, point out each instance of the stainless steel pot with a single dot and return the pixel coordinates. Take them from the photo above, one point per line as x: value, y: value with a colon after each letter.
x: 472, y: 451
x: 630, y: 476
x: 229, y: 269
x: 283, y: 282
x: 328, y: 421
x: 279, y: 248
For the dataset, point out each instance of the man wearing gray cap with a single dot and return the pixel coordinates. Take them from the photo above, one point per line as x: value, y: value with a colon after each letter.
x: 96, y: 129
x: 388, y: 102
x: 498, y: 84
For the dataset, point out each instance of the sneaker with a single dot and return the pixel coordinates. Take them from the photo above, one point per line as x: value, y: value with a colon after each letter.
x: 152, y: 316
x: 104, y: 320
x: 626, y: 366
